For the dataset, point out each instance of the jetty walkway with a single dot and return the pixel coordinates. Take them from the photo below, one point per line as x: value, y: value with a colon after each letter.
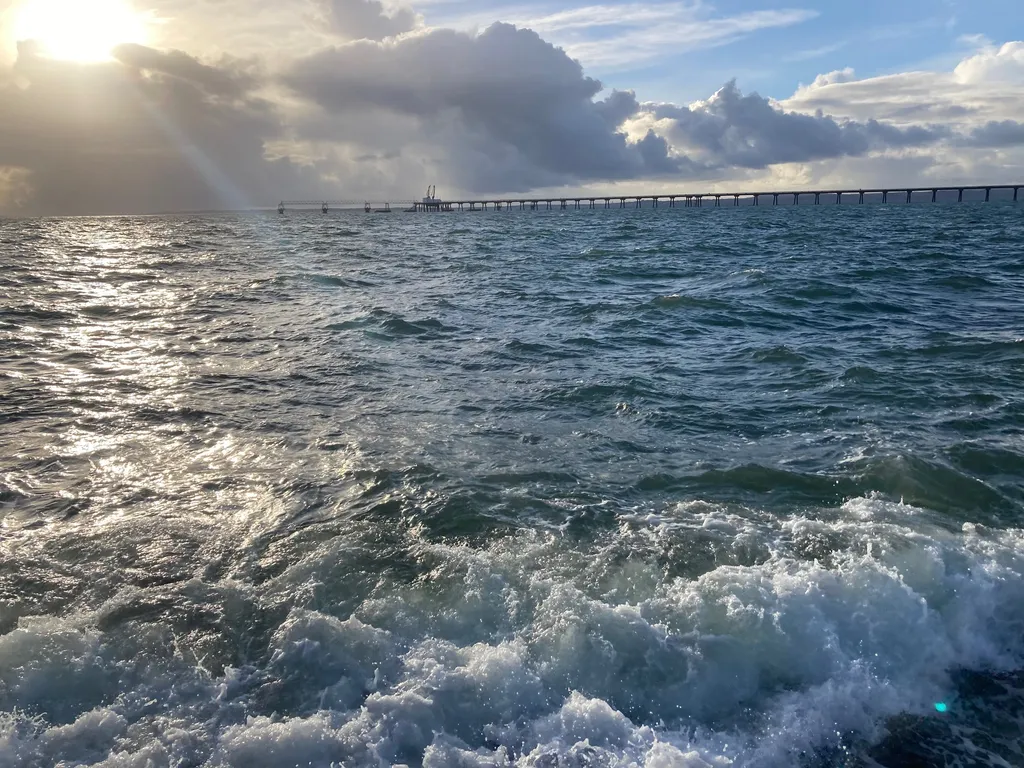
x: 688, y: 200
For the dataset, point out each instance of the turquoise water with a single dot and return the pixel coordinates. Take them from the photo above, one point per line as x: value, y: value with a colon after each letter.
x: 694, y: 487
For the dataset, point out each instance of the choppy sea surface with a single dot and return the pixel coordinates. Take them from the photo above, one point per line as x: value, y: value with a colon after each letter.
x: 692, y: 487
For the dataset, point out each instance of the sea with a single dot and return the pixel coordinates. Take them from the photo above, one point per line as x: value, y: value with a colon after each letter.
x: 709, y: 488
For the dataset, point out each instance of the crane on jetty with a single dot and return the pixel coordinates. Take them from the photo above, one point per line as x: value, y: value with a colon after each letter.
x: 430, y: 203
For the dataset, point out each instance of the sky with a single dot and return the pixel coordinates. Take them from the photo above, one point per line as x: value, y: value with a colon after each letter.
x: 140, y: 106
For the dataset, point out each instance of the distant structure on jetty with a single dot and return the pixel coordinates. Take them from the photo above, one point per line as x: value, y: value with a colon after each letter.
x: 430, y: 203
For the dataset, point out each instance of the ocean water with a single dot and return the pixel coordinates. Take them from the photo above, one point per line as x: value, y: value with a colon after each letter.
x: 691, y: 487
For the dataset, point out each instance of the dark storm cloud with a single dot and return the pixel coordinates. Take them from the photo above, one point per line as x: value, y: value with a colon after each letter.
x: 618, y: 107
x: 747, y: 131
x: 155, y: 135
x: 506, y: 87
x: 368, y: 19
x: 997, y: 135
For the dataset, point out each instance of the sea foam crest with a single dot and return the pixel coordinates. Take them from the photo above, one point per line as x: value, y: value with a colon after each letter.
x: 539, y: 651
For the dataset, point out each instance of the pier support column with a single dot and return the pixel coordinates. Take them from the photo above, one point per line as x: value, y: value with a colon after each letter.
x: 839, y: 198
x: 910, y: 193
x: 775, y: 199
x: 1015, y: 194
x: 988, y: 194
x: 735, y: 201
x: 672, y: 202
x: 796, y: 198
x: 718, y: 201
x: 817, y: 198
x: 861, y: 198
x: 935, y: 195
x: 960, y: 195
x: 622, y: 202
x: 885, y: 197
x: 655, y: 201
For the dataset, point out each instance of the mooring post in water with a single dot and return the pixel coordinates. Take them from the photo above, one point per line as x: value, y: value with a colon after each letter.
x: 1015, y: 194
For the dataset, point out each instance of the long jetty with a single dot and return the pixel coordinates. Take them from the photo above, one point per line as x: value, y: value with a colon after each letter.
x: 688, y: 200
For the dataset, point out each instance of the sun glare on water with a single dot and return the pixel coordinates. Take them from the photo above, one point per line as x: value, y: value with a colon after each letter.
x: 79, y: 30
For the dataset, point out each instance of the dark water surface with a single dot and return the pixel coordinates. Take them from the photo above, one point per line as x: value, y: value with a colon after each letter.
x: 598, y: 488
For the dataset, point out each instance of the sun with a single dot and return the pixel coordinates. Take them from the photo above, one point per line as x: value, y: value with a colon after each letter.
x: 79, y: 30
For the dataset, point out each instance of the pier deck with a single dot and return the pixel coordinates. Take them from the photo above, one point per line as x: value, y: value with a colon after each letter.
x: 904, y: 195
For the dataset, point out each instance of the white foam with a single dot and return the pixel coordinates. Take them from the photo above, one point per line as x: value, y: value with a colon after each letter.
x: 537, y: 649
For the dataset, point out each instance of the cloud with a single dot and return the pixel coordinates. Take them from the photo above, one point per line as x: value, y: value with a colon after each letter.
x: 368, y: 19
x: 846, y: 75
x: 607, y: 35
x: 988, y: 85
x: 230, y: 79
x: 748, y: 131
x: 162, y: 132
x: 505, y: 91
x: 1004, y: 133
x: 638, y: 43
x: 15, y: 189
x: 379, y: 105
x: 993, y: 65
